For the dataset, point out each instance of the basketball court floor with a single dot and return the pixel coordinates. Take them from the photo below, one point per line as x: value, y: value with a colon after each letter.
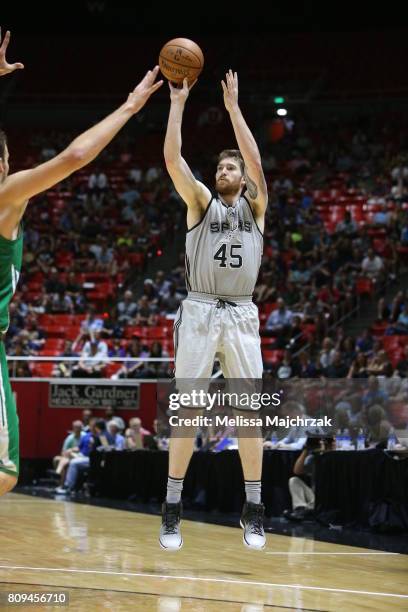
x: 109, y: 559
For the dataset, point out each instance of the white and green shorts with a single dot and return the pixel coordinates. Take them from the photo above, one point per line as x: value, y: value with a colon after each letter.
x: 9, y: 438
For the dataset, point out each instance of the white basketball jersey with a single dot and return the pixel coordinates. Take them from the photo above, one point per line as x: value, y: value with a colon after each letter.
x: 224, y: 250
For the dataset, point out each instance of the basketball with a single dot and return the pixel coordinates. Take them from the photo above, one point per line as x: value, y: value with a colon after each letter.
x: 181, y: 58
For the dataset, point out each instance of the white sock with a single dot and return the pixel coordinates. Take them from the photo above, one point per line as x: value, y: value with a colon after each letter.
x: 174, y: 489
x: 253, y: 491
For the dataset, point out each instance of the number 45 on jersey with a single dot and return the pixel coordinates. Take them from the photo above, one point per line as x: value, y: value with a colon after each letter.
x: 228, y: 256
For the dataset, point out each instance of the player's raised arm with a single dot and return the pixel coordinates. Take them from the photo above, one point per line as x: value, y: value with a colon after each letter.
x: 194, y: 193
x: 17, y: 188
x: 254, y: 177
x: 5, y: 67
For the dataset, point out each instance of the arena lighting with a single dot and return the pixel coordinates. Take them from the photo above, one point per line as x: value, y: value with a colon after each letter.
x: 282, y: 112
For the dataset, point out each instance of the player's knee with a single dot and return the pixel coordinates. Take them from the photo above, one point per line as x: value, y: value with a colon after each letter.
x: 7, y: 483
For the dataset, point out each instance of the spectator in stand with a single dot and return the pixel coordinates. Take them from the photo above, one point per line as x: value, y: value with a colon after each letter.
x: 287, y: 367
x: 125, y: 239
x: 18, y: 348
x: 292, y: 297
x: 337, y: 368
x: 157, y: 369
x: 45, y: 256
x: 161, y: 284
x: 93, y: 358
x: 117, y: 349
x: 86, y: 419
x: 88, y: 442
x: 104, y: 254
x: 383, y: 217
x: 35, y: 335
x: 116, y: 440
x: 358, y: 368
x: 265, y: 290
x: 348, y: 349
x: 91, y: 323
x: 146, y: 313
x: 53, y: 284
x: 129, y: 214
x: 300, y: 274
x: 373, y: 395
x: 70, y: 449
x: 60, y: 303
x: 365, y: 342
x: 295, y: 438
x: 153, y: 174
x: 378, y: 427
x: 127, y: 309
x: 313, y: 307
x: 401, y: 326
x: 111, y: 414
x: 306, y: 367
x: 135, y: 434
x: 282, y: 185
x: 73, y: 288
x: 149, y: 290
x: 132, y: 369
x: 171, y: 299
x: 372, y: 266
x: 135, y: 174
x: 330, y: 299
x: 378, y: 364
x: 327, y: 353
x: 344, y: 283
x: 98, y: 181
x: 130, y: 195
x: 353, y: 266
x: 279, y: 322
x: 85, y: 259
x: 348, y: 226
x: 64, y: 368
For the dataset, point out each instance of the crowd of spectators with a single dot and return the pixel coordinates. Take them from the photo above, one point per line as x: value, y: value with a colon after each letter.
x: 104, y: 434
x: 113, y: 219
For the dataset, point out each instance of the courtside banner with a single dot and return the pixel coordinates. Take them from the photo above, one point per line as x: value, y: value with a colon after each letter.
x: 84, y: 394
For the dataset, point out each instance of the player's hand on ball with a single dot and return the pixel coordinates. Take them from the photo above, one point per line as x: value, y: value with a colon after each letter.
x: 5, y: 67
x: 180, y: 94
x: 230, y: 90
x: 147, y: 86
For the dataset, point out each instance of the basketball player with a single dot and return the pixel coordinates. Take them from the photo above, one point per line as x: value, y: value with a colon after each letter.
x: 224, y: 245
x: 15, y: 191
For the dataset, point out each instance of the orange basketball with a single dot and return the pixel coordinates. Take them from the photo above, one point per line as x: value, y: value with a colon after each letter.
x: 181, y: 58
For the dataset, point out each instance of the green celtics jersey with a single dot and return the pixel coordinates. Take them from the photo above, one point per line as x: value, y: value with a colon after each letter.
x: 11, y: 255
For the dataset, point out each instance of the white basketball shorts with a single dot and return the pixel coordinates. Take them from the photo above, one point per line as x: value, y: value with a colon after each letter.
x: 208, y: 327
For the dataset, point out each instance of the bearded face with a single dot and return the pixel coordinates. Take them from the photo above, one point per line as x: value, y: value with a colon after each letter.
x: 229, y: 179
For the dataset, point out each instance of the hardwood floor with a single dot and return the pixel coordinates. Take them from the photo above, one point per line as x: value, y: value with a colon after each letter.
x: 111, y: 560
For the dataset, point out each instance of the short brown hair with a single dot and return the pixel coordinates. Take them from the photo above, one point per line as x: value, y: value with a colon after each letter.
x: 3, y: 144
x: 235, y: 154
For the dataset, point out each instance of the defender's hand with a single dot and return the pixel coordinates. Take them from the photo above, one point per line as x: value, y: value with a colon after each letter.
x: 230, y: 90
x: 147, y: 86
x: 5, y: 67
